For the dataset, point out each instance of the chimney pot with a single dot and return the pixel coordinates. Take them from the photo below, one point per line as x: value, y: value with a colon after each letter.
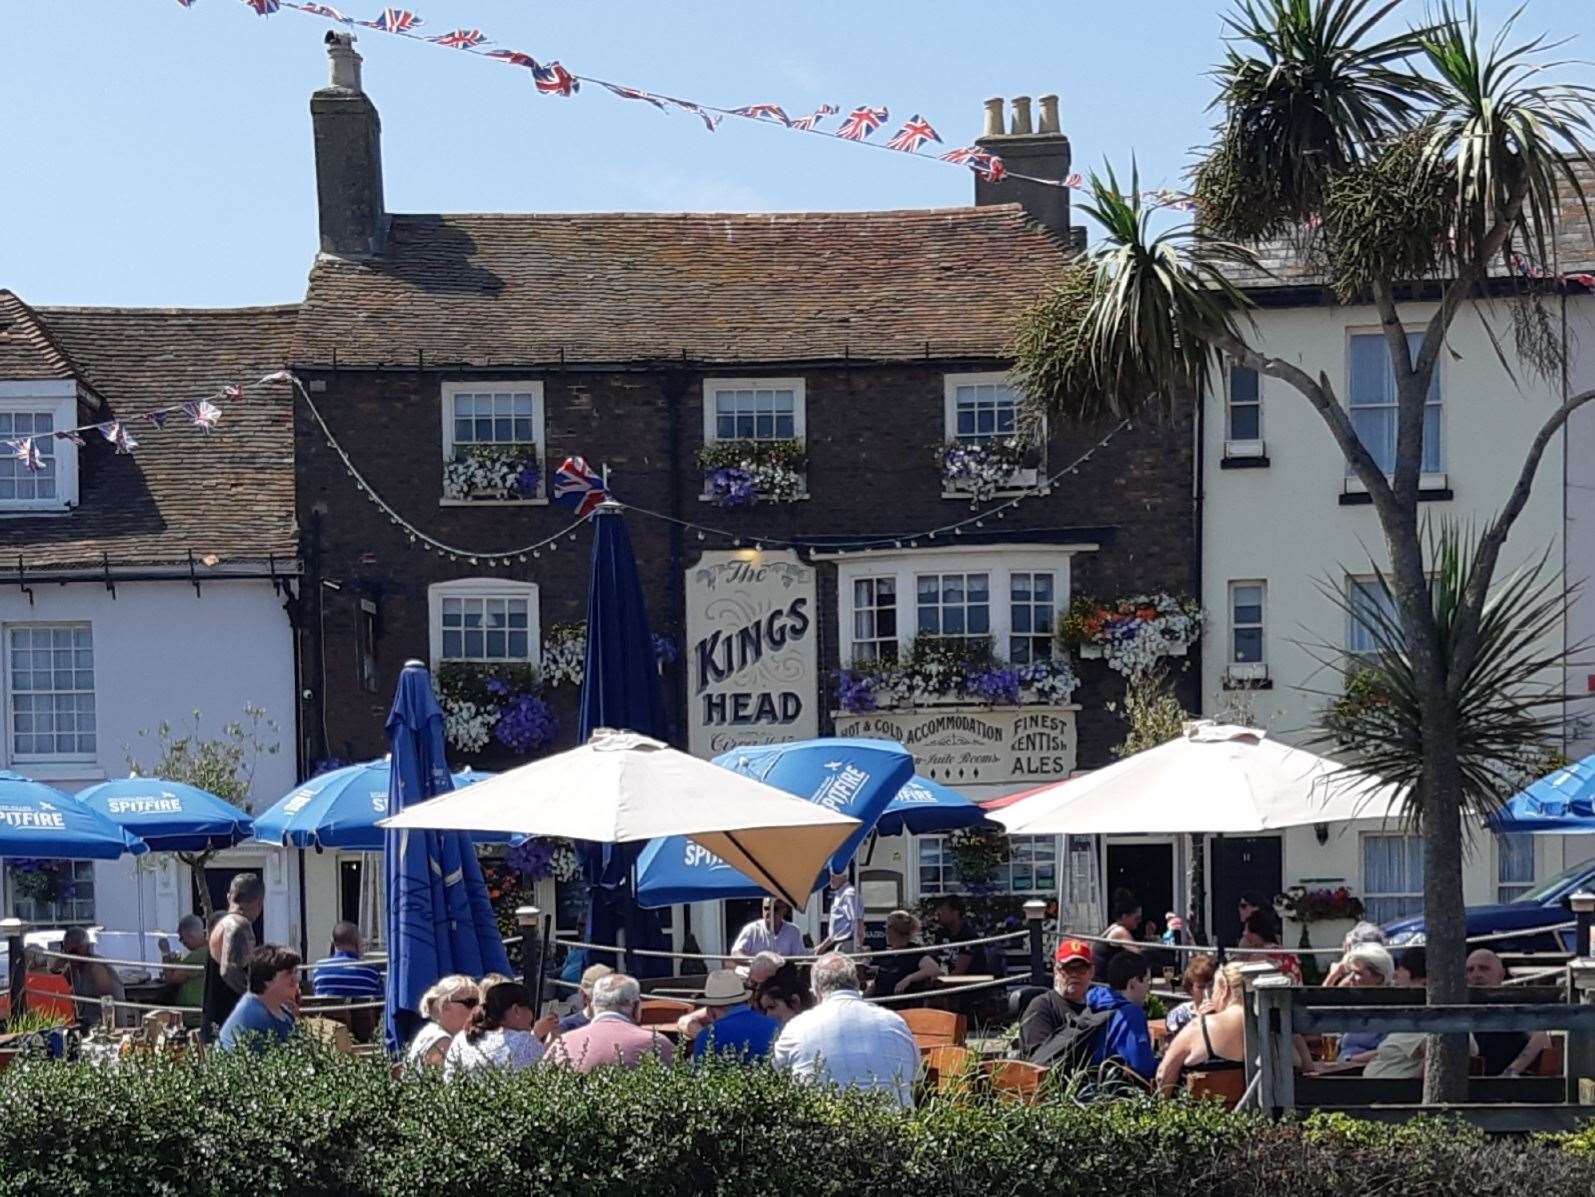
x: 994, y: 127
x: 1021, y: 116
x: 1049, y: 115
x: 343, y: 61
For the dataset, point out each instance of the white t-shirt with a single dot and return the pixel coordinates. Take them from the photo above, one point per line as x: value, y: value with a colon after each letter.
x: 756, y: 938
x: 495, y: 1049
x: 427, y: 1038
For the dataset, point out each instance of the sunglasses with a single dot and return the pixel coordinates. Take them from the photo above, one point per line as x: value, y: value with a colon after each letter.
x: 1073, y: 966
x: 468, y: 1002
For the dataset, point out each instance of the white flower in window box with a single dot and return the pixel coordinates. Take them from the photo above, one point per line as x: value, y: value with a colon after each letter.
x: 740, y: 473
x: 982, y: 469
x: 493, y: 472
x: 468, y: 725
x: 1133, y: 634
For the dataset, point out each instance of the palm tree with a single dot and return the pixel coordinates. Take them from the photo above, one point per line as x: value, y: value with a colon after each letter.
x: 1419, y: 154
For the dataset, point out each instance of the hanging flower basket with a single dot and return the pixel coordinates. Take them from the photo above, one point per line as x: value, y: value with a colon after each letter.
x: 484, y: 702
x: 1133, y: 634
x: 42, y: 881
x: 565, y: 654
x: 741, y: 473
x: 502, y: 472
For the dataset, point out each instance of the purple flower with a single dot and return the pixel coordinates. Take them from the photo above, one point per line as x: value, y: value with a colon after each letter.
x: 527, y: 480
x: 732, y: 486
x: 498, y: 686
x: 856, y: 692
x: 532, y: 857
x: 526, y: 723
x: 994, y: 685
x: 665, y: 650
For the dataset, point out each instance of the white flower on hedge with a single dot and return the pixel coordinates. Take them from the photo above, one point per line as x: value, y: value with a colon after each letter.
x: 565, y: 655
x: 468, y: 725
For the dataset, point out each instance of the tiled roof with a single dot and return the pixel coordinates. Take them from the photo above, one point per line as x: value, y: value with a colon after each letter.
x: 228, y: 494
x: 1574, y: 248
x: 28, y: 352
x: 618, y: 287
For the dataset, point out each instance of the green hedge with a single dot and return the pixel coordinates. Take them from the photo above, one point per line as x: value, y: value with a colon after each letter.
x: 300, y: 1121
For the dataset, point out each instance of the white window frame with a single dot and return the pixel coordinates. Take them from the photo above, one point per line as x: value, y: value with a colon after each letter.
x: 534, y: 387
x: 1507, y: 890
x: 713, y: 386
x: 1022, y: 479
x: 878, y: 641
x: 81, y: 869
x: 1247, y: 670
x: 1353, y: 628
x: 1406, y: 896
x: 60, y: 398
x: 1242, y: 446
x: 999, y: 562
x: 483, y: 588
x: 38, y: 761
x: 1006, y: 872
x: 1427, y: 480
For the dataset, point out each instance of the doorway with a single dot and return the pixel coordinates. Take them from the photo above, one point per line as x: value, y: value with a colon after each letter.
x: 1239, y: 864
x: 217, y: 879
x: 1146, y: 869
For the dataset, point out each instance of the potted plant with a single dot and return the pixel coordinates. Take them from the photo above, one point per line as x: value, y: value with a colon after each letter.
x: 1308, y: 906
x: 503, y: 472
x: 740, y: 473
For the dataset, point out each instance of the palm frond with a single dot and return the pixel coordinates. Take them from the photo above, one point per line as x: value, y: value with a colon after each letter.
x: 1506, y: 708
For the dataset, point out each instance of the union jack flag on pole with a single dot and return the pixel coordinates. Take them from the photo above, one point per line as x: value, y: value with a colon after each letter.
x: 460, y: 39
x: 861, y: 122
x: 772, y: 112
x: 555, y: 80
x: 577, y: 486
x: 394, y: 20
x: 916, y: 131
x: 26, y: 452
x: 807, y: 123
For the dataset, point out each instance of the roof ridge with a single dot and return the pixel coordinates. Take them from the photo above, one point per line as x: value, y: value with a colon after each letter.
x: 965, y: 210
x: 76, y: 309
x: 38, y: 334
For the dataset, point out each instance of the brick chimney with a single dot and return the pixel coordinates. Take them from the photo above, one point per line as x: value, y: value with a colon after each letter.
x: 348, y: 136
x: 1038, y: 149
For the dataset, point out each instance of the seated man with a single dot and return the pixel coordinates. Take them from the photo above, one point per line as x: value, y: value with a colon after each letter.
x: 1506, y: 1053
x: 188, y: 983
x: 756, y: 972
x: 613, y: 1037
x: 342, y: 975
x: 1400, y: 1054
x: 735, y: 1027
x: 845, y: 1040
x: 1057, y: 1026
x: 264, y: 1016
x: 1126, y: 1038
x: 579, y: 1019
x: 90, y: 979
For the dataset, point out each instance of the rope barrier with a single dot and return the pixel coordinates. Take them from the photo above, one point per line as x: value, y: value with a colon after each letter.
x: 309, y: 966
x: 927, y: 949
x: 947, y: 991
x: 81, y: 1000
x: 1203, y: 949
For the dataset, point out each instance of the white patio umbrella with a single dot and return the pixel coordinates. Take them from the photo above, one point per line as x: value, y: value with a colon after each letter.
x: 621, y: 787
x: 1215, y: 778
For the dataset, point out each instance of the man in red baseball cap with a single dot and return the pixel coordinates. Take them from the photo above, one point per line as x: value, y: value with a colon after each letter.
x: 1058, y: 1026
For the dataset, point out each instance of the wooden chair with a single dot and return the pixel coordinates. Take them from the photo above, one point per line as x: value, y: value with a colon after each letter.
x: 330, y: 1032
x: 1159, y: 1029
x: 936, y: 1028
x: 1551, y: 1061
x: 1014, y: 1080
x: 948, y: 1069
x: 662, y: 1012
x: 1221, y: 1084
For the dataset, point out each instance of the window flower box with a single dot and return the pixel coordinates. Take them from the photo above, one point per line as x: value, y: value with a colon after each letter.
x: 741, y: 473
x: 499, y: 701
x: 493, y: 472
x: 984, y: 469
x: 1132, y: 634
x: 949, y: 671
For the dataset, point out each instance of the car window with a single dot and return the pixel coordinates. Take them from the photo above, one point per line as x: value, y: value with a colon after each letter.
x: 1553, y: 888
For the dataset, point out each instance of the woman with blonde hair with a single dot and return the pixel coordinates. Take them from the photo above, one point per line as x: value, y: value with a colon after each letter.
x: 903, y: 972
x: 447, y: 1007
x: 1216, y: 1037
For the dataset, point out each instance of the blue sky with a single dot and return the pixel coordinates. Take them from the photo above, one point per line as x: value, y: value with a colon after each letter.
x: 157, y: 155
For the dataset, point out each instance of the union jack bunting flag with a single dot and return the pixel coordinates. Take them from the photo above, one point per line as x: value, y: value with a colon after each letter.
x: 577, y: 486
x: 203, y: 413
x: 514, y: 58
x: 861, y: 122
x: 632, y: 93
x: 988, y: 167
x: 157, y: 418
x: 264, y: 8
x: 186, y: 3
x: 764, y: 112
x: 711, y: 120
x: 807, y: 123
x: 555, y: 80
x: 916, y: 131
x: 460, y: 39
x: 117, y: 434
x: 962, y: 154
x: 26, y: 452
x: 394, y: 20
x: 1074, y: 181
x: 325, y: 10
x: 234, y: 391
x: 274, y: 376
x: 72, y: 434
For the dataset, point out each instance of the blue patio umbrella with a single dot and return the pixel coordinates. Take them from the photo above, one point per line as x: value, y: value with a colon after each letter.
x: 440, y: 919
x: 620, y: 689
x: 338, y: 809
x: 37, y: 820
x: 169, y: 816
x: 1560, y: 803
x: 923, y: 807
x: 853, y: 777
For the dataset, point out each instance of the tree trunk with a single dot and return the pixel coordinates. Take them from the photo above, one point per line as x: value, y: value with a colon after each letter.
x: 1445, y: 1077
x: 196, y: 861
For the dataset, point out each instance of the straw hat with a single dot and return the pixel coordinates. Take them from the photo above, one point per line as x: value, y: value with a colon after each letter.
x: 723, y: 988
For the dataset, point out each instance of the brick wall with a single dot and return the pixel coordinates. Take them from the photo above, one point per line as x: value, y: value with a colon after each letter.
x: 870, y: 433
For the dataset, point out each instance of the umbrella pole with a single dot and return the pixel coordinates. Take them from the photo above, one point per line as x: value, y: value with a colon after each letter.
x: 138, y: 882
x: 304, y: 931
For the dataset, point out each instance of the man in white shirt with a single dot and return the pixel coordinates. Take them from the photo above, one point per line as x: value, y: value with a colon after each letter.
x: 847, y: 919
x: 771, y: 932
x: 845, y: 1040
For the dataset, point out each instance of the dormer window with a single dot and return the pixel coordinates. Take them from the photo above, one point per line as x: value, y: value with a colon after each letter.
x: 31, y: 413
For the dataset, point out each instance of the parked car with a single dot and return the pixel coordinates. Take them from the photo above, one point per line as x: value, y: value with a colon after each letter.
x: 1534, y: 914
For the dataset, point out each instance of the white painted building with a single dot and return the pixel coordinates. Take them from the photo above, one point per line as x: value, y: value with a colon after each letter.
x: 145, y: 587
x: 1284, y: 527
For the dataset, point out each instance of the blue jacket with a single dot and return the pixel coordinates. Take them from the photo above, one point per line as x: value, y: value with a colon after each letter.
x: 1126, y: 1036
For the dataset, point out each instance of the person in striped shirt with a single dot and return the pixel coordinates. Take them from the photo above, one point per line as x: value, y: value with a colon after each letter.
x: 342, y: 975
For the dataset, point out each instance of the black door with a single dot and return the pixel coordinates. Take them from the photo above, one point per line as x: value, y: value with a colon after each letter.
x: 349, y: 877
x: 217, y: 879
x: 1236, y: 865
x: 1147, y: 871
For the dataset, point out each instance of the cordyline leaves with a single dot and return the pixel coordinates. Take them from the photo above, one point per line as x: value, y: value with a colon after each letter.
x: 1506, y: 707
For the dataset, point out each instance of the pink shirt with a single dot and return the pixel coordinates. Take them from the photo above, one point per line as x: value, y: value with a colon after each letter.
x: 610, y: 1038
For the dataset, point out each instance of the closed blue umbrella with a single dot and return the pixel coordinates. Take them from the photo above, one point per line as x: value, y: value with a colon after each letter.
x: 337, y: 809
x: 620, y: 689
x: 1560, y: 803
x: 923, y: 807
x: 169, y: 816
x: 440, y: 919
x: 852, y: 777
x: 37, y: 820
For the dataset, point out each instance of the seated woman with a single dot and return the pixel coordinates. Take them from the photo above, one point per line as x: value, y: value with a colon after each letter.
x: 498, y: 1033
x: 1261, y: 930
x: 1214, y: 1037
x: 1366, y: 966
x: 1361, y: 933
x: 1198, y: 982
x: 447, y: 1006
x: 907, y: 972
x: 783, y: 996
